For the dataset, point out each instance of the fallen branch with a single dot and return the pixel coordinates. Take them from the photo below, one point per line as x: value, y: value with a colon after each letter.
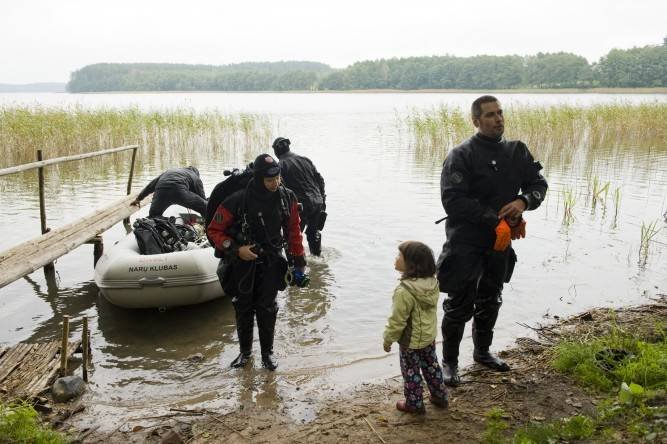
x: 193, y: 412
x: 228, y: 427
x: 83, y: 435
x: 375, y: 431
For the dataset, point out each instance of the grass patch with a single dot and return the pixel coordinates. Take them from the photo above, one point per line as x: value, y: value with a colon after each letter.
x: 19, y: 423
x: 494, y: 432
x: 574, y: 428
x: 627, y: 366
x: 605, y: 362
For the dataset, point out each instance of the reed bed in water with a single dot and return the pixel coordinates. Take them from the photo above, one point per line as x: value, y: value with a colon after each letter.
x: 553, y: 133
x: 173, y: 136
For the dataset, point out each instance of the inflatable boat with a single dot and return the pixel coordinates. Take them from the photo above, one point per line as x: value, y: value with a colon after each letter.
x: 129, y: 279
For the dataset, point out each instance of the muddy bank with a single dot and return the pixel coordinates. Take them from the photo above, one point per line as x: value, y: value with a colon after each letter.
x: 531, y: 391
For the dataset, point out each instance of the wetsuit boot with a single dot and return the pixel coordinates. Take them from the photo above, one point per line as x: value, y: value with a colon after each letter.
x: 314, y: 243
x: 452, y: 333
x: 266, y: 323
x: 487, y: 306
x: 244, y: 327
x: 482, y: 340
x: 241, y: 360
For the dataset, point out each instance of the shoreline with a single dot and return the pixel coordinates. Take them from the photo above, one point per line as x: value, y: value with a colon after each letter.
x: 533, y: 392
x: 658, y: 90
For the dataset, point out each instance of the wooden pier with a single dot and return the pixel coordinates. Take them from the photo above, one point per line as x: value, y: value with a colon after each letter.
x: 41, y: 251
x: 28, y: 370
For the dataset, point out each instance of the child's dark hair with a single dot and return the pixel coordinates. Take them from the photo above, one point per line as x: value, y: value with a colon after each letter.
x: 419, y: 261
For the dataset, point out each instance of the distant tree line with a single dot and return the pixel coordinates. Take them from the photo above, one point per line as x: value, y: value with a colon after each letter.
x: 636, y: 67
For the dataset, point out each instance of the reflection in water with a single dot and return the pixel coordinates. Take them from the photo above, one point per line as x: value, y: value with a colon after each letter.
x: 150, y: 339
x: 257, y: 388
x: 73, y: 302
x: 305, y: 306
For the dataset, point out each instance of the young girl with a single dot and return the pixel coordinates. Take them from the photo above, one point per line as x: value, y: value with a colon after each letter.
x: 413, y: 324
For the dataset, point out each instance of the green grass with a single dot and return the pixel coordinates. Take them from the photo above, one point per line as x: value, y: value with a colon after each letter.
x: 19, y: 423
x: 569, y: 429
x: 494, y: 432
x: 628, y: 368
x: 595, y: 363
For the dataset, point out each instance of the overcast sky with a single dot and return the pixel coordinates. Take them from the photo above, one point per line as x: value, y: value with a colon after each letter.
x: 45, y: 40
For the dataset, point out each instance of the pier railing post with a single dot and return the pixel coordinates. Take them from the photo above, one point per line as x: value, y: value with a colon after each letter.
x: 98, y: 248
x: 126, y: 221
x: 42, y: 205
x: 64, y: 346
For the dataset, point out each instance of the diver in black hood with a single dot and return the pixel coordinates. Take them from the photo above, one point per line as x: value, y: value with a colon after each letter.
x: 252, y: 227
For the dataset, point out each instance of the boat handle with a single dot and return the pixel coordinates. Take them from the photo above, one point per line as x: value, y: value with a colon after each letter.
x: 152, y: 281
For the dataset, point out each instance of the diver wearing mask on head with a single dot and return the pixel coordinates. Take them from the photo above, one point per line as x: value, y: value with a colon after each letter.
x: 252, y: 227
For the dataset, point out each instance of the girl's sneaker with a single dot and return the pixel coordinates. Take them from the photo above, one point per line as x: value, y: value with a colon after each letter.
x: 403, y: 407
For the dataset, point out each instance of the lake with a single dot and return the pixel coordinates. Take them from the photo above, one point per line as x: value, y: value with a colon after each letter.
x: 381, y: 190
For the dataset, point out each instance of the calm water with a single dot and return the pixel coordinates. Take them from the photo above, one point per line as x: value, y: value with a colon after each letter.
x: 380, y: 192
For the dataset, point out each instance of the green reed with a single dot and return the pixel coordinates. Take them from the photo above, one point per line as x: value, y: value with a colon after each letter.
x: 164, y: 136
x: 598, y: 193
x: 569, y: 201
x: 648, y: 232
x: 553, y: 133
x: 617, y: 205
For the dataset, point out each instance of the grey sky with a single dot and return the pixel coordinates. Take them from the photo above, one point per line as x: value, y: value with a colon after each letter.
x: 43, y: 40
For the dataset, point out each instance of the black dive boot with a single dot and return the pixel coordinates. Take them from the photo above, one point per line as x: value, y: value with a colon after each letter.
x: 268, y: 362
x: 241, y: 360
x: 266, y: 327
x: 244, y: 327
x: 450, y: 373
x: 482, y: 335
x: 315, y: 244
x: 488, y: 359
x: 482, y: 340
x: 452, y: 333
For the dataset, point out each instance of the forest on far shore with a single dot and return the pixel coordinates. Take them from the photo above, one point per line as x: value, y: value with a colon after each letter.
x: 644, y: 67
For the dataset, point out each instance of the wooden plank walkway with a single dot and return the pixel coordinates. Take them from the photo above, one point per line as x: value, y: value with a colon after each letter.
x: 35, y: 253
x: 27, y: 370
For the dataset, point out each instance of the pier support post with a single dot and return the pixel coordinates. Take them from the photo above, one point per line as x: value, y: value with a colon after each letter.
x: 98, y: 248
x: 84, y: 346
x: 63, y: 346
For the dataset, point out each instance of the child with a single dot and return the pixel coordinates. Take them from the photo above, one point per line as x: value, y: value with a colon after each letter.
x: 413, y: 324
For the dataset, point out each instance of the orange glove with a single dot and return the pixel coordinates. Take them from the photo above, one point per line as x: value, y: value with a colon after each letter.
x: 519, y: 229
x: 503, y: 236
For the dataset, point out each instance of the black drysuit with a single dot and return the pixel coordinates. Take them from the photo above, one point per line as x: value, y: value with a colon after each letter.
x: 180, y: 186
x: 478, y: 178
x: 273, y: 223
x: 300, y: 175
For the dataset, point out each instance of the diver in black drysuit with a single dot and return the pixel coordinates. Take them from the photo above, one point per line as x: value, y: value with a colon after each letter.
x: 300, y: 175
x: 176, y: 186
x: 480, y: 177
x: 272, y: 217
